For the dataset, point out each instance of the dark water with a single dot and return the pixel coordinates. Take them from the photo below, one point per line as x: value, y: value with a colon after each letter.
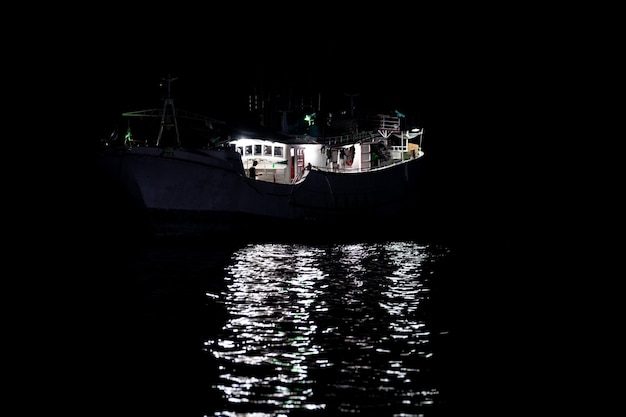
x: 270, y: 329
x: 334, y: 329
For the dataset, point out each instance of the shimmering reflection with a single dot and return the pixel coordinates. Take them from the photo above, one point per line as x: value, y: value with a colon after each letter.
x: 332, y: 329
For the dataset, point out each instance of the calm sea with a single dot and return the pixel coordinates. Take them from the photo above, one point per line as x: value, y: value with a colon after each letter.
x: 272, y: 329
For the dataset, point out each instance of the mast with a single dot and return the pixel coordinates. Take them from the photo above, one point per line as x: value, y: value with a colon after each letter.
x: 168, y: 118
x: 352, y: 96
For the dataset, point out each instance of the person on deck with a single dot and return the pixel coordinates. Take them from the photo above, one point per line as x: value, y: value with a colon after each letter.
x: 252, y: 170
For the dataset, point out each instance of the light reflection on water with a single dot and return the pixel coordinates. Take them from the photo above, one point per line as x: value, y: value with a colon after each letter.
x: 326, y: 329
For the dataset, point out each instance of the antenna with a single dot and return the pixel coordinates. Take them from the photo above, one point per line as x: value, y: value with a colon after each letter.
x: 352, y: 96
x: 169, y: 80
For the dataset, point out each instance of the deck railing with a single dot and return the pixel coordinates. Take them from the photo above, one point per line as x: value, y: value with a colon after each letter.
x: 355, y: 137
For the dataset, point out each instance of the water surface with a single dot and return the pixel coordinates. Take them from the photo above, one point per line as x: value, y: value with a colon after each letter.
x: 327, y: 330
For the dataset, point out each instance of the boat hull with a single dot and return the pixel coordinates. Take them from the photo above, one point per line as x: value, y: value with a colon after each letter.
x: 201, y: 194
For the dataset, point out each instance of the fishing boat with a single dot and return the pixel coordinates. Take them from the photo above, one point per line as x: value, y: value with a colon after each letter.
x: 261, y: 183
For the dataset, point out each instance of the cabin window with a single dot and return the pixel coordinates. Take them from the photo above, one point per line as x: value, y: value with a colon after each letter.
x: 257, y: 149
x: 248, y: 149
x: 267, y: 150
x: 278, y: 151
x: 240, y: 149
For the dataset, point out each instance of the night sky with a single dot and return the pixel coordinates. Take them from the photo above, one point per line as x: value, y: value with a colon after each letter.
x: 218, y: 84
x: 386, y: 58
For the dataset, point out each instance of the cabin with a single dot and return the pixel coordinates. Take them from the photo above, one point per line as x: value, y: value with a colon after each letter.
x: 285, y: 160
